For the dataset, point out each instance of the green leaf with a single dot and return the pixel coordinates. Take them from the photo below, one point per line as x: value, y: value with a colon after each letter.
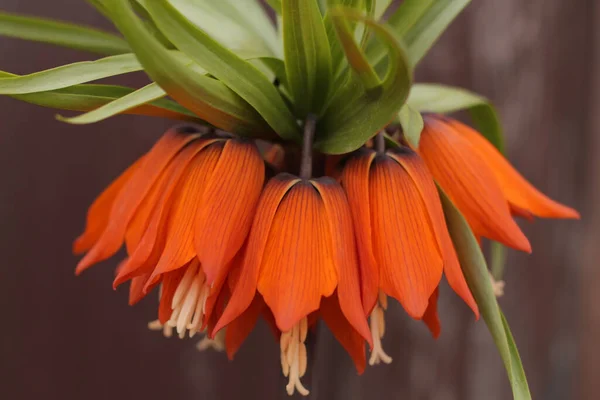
x: 412, y: 124
x: 419, y: 23
x: 426, y: 97
x: 61, y: 34
x: 90, y: 97
x: 354, y: 55
x: 477, y: 276
x: 355, y: 114
x: 208, y: 98
x: 339, y: 63
x: 239, y: 75
x: 307, y: 55
x: 240, y: 25
x: 138, y: 99
x: 380, y: 7
x: 69, y: 75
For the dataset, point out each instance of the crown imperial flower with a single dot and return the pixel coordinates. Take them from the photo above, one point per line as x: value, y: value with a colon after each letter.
x: 226, y: 219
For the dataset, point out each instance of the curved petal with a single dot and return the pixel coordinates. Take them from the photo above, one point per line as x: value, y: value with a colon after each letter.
x: 141, y: 220
x: 344, y: 253
x: 151, y: 244
x: 423, y: 180
x: 518, y: 190
x: 227, y: 207
x: 355, y: 180
x: 132, y: 195
x: 245, y: 286
x: 99, y: 212
x: 431, y: 318
x: 296, y: 268
x: 404, y: 243
x: 352, y: 341
x: 179, y: 245
x: 469, y: 183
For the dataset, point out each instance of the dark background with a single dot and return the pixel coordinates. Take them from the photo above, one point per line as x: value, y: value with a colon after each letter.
x: 64, y: 337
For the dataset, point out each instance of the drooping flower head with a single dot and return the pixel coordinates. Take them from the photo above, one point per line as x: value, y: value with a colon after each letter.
x: 482, y: 184
x: 301, y: 258
x: 183, y: 211
x: 402, y: 238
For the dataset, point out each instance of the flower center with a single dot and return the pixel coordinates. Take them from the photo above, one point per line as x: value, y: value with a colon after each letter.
x: 293, y: 357
x: 377, y: 323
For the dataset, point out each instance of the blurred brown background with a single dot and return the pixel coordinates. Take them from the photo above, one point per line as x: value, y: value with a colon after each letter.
x: 74, y: 338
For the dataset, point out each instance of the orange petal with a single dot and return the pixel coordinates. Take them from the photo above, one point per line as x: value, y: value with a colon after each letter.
x: 99, y: 212
x: 423, y: 180
x: 219, y: 294
x: 518, y: 190
x: 150, y: 246
x: 520, y: 212
x: 239, y: 329
x: 132, y: 195
x: 179, y: 245
x: 296, y: 268
x: 344, y: 253
x: 352, y: 341
x: 470, y: 184
x: 355, y: 180
x: 227, y: 207
x: 141, y: 220
x: 404, y: 243
x: 431, y: 318
x: 246, y: 282
x: 275, y: 156
x: 136, y: 288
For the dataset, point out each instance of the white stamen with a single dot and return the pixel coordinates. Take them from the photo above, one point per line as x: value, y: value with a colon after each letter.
x: 377, y: 324
x: 188, y: 304
x: 218, y: 343
x: 497, y: 286
x: 293, y: 357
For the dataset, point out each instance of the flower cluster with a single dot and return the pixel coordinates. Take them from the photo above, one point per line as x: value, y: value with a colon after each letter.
x: 228, y: 234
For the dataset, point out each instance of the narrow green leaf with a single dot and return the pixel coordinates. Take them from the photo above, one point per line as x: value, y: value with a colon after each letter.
x: 90, y: 97
x: 69, y: 75
x: 419, y: 23
x: 477, y: 276
x: 339, y: 63
x: 519, y: 379
x: 307, y: 55
x: 150, y: 94
x: 355, y: 56
x: 412, y: 124
x: 355, y: 114
x: 240, y: 25
x: 61, y: 34
x: 208, y: 98
x: 239, y: 75
x: 428, y: 97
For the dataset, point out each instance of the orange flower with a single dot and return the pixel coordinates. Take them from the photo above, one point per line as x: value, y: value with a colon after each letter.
x: 403, y: 242
x: 183, y: 210
x: 481, y: 183
x: 301, y: 257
